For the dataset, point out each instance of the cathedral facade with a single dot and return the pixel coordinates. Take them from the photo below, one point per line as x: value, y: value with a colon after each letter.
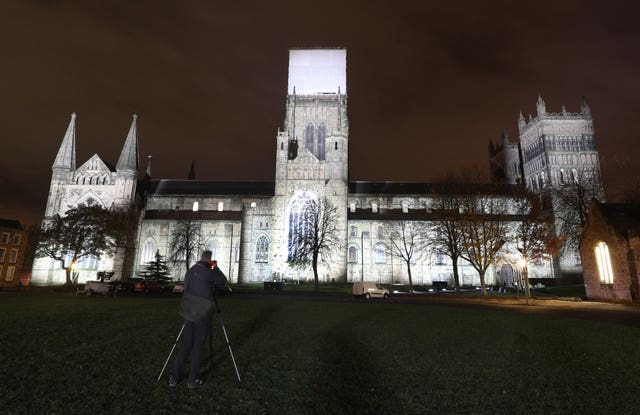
x: 250, y: 226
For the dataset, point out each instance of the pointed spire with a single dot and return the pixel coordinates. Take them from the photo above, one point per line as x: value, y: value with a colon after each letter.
x: 66, y: 158
x: 192, y: 171
x: 129, y: 156
x: 564, y: 109
x: 147, y: 174
x: 505, y: 136
x: 541, y: 106
x: 584, y: 107
x: 521, y: 121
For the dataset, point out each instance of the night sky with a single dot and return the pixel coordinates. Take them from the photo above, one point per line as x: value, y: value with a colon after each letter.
x: 429, y: 83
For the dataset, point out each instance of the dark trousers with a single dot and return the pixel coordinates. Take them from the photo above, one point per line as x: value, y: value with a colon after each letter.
x: 195, y: 333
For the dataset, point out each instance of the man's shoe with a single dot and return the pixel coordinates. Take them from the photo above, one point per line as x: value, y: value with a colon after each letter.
x: 195, y: 384
x: 172, y: 382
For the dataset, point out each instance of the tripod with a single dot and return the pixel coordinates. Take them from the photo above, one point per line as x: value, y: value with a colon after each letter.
x: 226, y: 337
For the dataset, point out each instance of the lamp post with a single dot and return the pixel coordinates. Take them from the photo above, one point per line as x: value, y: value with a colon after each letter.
x: 523, y: 265
x: 362, y: 256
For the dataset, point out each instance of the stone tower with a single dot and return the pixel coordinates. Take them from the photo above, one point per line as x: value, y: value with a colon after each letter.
x: 94, y: 182
x: 559, y: 149
x: 312, y: 151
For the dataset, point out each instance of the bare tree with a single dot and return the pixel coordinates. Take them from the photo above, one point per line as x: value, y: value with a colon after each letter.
x: 484, y: 232
x: 407, y: 242
x: 571, y: 203
x: 447, y: 230
x: 534, y: 235
x: 186, y: 241
x: 316, y: 237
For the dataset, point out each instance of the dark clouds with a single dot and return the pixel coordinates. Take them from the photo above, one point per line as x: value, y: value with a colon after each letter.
x: 429, y: 82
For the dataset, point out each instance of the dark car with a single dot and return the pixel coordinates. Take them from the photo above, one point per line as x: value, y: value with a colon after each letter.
x: 141, y: 285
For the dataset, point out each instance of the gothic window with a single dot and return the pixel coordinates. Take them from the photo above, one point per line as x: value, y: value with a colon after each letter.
x: 380, y: 231
x: 603, y: 259
x: 308, y: 138
x: 298, y: 222
x: 210, y: 245
x: 353, y: 254
x: 563, y: 179
x: 574, y: 172
x: 149, y: 249
x: 439, y: 257
x: 381, y: 254
x: 262, y: 249
x: 220, y: 206
x: 321, y: 142
x: 352, y: 231
x: 335, y: 145
x: 374, y: 207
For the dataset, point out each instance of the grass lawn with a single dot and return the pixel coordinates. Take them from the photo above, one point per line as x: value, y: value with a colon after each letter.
x: 65, y: 354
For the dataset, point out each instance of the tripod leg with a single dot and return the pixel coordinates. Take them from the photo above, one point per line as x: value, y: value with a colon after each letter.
x: 171, y: 352
x: 233, y: 359
x: 211, y: 342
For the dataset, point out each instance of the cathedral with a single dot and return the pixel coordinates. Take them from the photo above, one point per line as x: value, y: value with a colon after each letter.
x: 250, y: 226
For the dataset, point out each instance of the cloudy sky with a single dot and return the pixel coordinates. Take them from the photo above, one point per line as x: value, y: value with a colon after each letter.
x: 429, y: 82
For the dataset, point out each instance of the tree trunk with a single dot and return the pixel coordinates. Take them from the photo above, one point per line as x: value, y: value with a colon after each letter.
x: 68, y: 275
x: 314, y: 265
x: 456, y: 277
x: 410, y: 279
x: 482, y: 284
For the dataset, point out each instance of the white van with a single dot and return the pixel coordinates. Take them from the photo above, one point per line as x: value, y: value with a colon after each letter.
x: 369, y: 289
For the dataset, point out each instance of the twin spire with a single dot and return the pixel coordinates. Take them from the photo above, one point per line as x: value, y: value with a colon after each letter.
x: 128, y: 161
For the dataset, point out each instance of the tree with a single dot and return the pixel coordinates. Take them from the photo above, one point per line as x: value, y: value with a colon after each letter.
x: 316, y: 236
x: 534, y: 235
x: 484, y: 232
x: 447, y: 230
x: 571, y: 203
x: 84, y: 231
x: 156, y: 270
x: 186, y: 241
x: 407, y: 242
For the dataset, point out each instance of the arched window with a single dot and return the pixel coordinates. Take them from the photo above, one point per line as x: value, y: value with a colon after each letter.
x: 353, y: 254
x: 211, y: 246
x: 262, y: 249
x: 381, y: 254
x: 298, y: 221
x: 574, y: 172
x: 604, y: 263
x: 308, y: 137
x: 149, y: 249
x: 321, y: 142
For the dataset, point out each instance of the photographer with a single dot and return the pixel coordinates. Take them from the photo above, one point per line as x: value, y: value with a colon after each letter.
x: 196, y: 307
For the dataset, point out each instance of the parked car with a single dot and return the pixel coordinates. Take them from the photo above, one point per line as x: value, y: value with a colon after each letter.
x: 369, y: 289
x: 121, y: 286
x: 97, y: 287
x: 178, y: 287
x: 146, y: 286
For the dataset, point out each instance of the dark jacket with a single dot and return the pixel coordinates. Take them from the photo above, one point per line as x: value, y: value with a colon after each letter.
x: 200, y: 280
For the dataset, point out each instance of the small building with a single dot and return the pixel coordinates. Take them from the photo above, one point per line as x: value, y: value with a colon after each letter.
x: 610, y: 250
x: 13, y: 243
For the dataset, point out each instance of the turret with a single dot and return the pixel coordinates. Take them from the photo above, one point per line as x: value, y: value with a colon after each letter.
x: 585, y: 109
x: 542, y: 108
x: 128, y: 160
x: 66, y: 158
x: 521, y: 122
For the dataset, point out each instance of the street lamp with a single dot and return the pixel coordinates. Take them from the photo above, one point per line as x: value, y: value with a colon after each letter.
x: 362, y: 256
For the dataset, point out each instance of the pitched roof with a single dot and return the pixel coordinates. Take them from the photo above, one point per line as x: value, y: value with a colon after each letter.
x: 412, y: 188
x: 204, y: 187
x: 624, y: 217
x: 11, y: 224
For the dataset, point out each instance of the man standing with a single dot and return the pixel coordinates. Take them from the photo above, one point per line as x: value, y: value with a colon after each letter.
x: 199, y: 283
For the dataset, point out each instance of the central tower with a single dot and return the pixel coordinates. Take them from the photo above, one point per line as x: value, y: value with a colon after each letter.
x: 312, y: 152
